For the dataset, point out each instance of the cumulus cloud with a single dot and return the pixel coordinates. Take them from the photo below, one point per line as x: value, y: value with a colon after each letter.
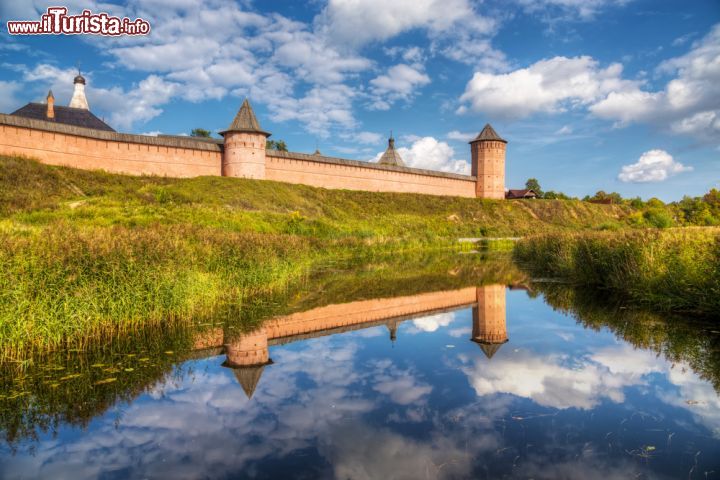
x: 455, y: 28
x: 432, y: 322
x: 569, y: 9
x: 689, y: 103
x: 357, y: 23
x: 461, y: 136
x: 550, y: 381
x: 140, y: 103
x: 429, y: 153
x: 547, y: 86
x: 652, y: 166
x: 400, y: 82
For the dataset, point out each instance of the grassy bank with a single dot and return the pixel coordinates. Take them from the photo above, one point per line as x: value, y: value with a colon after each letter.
x: 88, y: 256
x: 668, y: 270
x: 32, y: 194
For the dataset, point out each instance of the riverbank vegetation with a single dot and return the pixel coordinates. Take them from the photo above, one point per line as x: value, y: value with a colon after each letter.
x: 36, y: 397
x: 89, y: 256
x: 667, y: 270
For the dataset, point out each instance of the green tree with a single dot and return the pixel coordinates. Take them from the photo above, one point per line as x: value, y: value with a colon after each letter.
x: 276, y: 145
x: 534, y: 185
x: 200, y: 132
x: 553, y: 195
x: 601, y: 196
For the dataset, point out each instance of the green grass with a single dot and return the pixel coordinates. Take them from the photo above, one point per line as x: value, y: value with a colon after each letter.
x: 86, y: 257
x: 668, y: 270
x: 36, y: 195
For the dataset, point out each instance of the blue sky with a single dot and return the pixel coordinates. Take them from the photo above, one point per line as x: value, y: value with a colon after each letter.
x: 619, y: 95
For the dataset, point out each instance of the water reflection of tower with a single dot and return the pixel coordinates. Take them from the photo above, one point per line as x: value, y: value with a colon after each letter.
x: 489, y: 319
x: 247, y: 354
x: 392, y: 327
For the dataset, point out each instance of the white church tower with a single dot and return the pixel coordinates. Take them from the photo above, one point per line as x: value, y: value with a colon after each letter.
x: 78, y: 99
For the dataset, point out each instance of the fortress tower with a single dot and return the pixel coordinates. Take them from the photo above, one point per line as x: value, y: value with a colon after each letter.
x: 244, y: 154
x: 488, y: 163
x: 489, y: 319
x: 248, y: 355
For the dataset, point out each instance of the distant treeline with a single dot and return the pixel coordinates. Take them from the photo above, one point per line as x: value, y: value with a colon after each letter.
x: 700, y: 211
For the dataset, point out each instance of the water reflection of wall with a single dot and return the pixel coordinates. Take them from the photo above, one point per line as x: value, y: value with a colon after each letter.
x: 248, y: 353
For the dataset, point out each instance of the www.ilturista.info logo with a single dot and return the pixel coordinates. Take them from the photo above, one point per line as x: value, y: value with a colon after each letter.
x: 56, y: 21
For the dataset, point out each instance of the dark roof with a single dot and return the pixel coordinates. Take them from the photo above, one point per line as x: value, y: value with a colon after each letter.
x: 524, y: 193
x: 490, y: 349
x: 488, y: 133
x: 79, y: 79
x: 78, y: 117
x: 391, y: 156
x: 248, y: 376
x: 245, y: 121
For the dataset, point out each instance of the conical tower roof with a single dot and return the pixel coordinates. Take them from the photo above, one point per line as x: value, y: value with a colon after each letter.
x: 245, y: 121
x: 490, y: 349
x: 391, y: 156
x: 488, y: 133
x: 249, y: 377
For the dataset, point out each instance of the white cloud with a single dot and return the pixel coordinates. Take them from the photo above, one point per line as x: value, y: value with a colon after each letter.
x: 432, y: 322
x: 454, y: 27
x: 461, y: 136
x: 550, y: 381
x: 689, y: 103
x: 401, y: 82
x: 652, y: 166
x: 564, y: 130
x: 547, y: 86
x: 431, y: 154
x: 125, y: 107
x: 364, y: 137
x: 569, y: 9
x: 356, y: 23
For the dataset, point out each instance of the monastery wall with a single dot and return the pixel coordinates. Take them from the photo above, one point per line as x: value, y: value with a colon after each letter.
x: 327, y: 172
x: 58, y: 144
x: 67, y: 145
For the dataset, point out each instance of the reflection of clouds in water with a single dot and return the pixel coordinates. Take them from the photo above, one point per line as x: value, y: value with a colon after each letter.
x: 544, y: 379
x: 401, y: 386
x: 360, y: 452
x: 585, y: 467
x: 695, y: 395
x: 551, y: 381
x: 461, y: 332
x: 205, y: 425
x: 432, y: 322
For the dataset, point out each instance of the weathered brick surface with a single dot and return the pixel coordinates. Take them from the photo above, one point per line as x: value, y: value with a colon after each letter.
x: 354, y: 177
x: 54, y: 148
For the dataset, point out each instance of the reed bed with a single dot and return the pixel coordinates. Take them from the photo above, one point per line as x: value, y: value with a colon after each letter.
x: 668, y: 270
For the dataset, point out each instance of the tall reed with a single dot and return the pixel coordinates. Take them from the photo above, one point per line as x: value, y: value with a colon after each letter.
x: 672, y: 269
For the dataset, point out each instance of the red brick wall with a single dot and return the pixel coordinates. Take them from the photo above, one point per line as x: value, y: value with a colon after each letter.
x: 120, y: 157
x: 351, y: 177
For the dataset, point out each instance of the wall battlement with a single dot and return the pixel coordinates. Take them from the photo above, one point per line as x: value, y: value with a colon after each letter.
x: 242, y: 153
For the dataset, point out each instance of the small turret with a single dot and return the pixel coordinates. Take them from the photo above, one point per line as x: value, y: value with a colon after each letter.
x: 78, y: 99
x: 50, y: 106
x: 391, y: 156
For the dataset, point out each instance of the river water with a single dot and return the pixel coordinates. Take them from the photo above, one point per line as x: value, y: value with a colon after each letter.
x: 454, y: 371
